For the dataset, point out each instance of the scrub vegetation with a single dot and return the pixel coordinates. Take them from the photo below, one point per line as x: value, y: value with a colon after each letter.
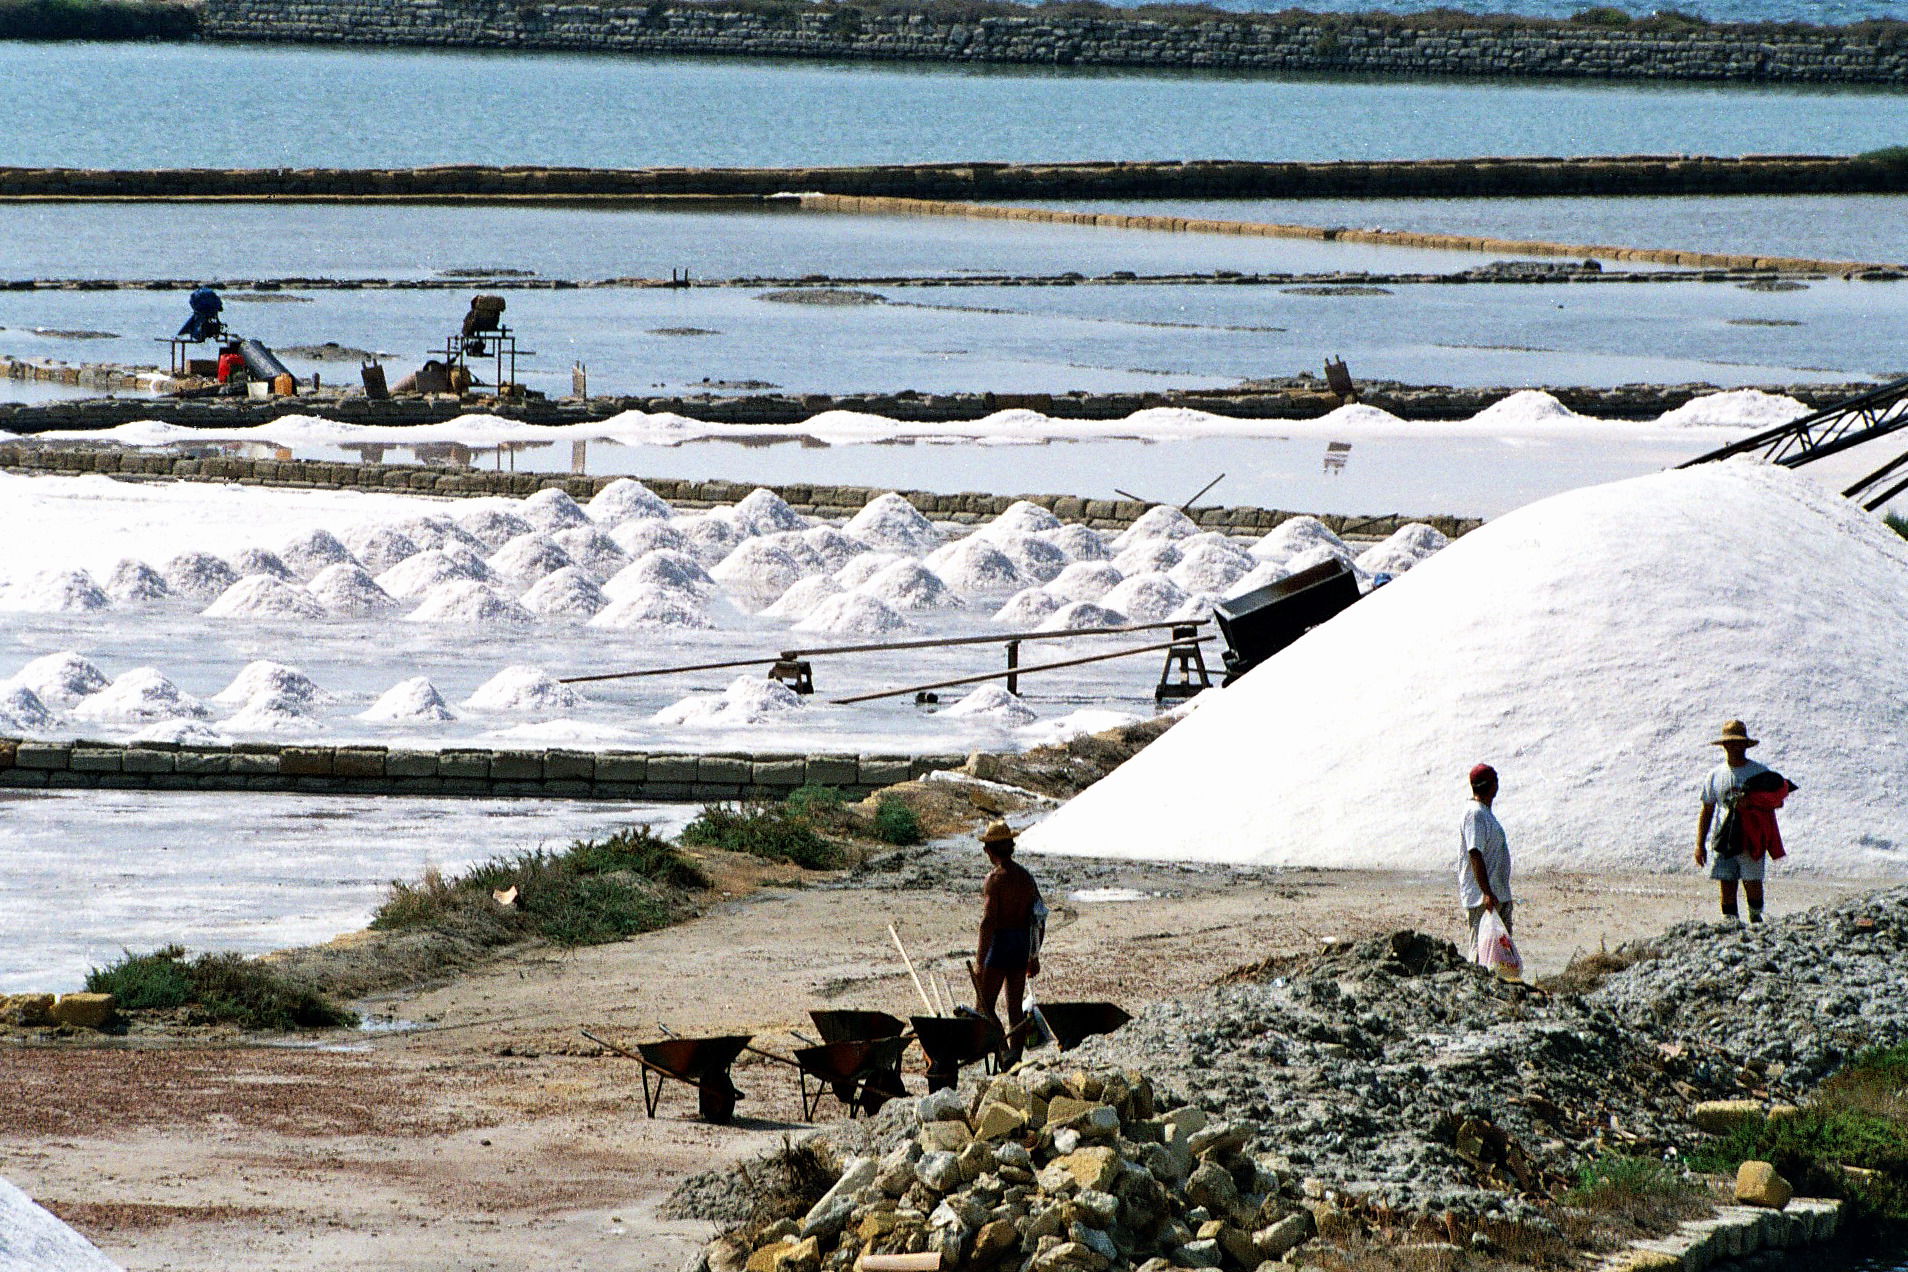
x: 216, y: 989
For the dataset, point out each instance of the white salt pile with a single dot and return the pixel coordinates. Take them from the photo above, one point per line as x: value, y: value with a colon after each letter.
x: 135, y: 583
x: 312, y: 551
x: 414, y: 576
x: 853, y: 614
x: 664, y: 569
x: 471, y: 603
x: 1081, y: 616
x: 708, y: 538
x: 31, y: 1239
x: 493, y: 527
x: 1020, y: 517
x: 639, y: 538
x: 889, y: 523
x: 1145, y: 598
x: 1086, y: 580
x: 551, y: 509
x: 249, y: 561
x: 262, y: 596
x: 1161, y: 522
x: 522, y: 688
x: 409, y: 701
x: 627, y: 499
x: 757, y: 569
x: 347, y: 590
x: 1751, y: 409
x: 765, y: 512
x: 1211, y: 567
x: 272, y: 713
x: 1318, y: 554
x: 198, y: 576
x: 138, y: 696
x: 263, y: 677
x: 1148, y: 556
x: 56, y: 592
x: 1524, y: 409
x: 60, y: 680
x: 378, y: 547
x: 437, y: 531
x: 566, y: 594
x: 180, y: 733
x: 865, y: 567
x: 795, y: 543
x: 1034, y: 557
x: 803, y: 597
x: 1265, y: 572
x: 975, y: 567
x: 527, y: 558
x: 1080, y: 543
x: 1589, y: 646
x: 1073, y: 724
x: 832, y: 548
x: 909, y: 587
x: 21, y: 709
x: 1195, y: 608
x: 1406, y: 546
x: 1293, y: 536
x: 748, y: 700
x: 1028, y: 607
x: 651, y: 605
x: 593, y: 551
x: 995, y: 705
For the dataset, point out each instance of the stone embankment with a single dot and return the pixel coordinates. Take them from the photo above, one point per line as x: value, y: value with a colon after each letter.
x: 458, y: 771
x: 1298, y: 42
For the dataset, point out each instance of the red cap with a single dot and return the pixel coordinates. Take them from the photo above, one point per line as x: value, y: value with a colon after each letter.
x: 1481, y: 771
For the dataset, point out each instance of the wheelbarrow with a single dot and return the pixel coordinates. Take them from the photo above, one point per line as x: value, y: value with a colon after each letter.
x: 1070, y: 1024
x: 856, y: 1026
x: 862, y: 1073
x: 953, y: 1041
x: 702, y: 1063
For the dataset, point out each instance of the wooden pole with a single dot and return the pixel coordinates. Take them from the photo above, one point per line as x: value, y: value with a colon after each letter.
x: 912, y: 974
x: 927, y: 1262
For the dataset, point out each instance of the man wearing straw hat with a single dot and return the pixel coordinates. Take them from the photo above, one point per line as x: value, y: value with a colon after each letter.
x: 1006, y: 954
x: 1725, y: 786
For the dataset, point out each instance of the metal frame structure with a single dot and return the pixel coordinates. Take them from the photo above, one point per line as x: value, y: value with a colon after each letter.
x: 1835, y: 428
x: 499, y: 346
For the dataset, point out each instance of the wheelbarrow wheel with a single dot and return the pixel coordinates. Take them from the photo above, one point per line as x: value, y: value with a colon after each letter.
x: 715, y: 1100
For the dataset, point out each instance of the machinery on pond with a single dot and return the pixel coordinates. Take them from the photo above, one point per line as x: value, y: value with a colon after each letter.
x: 241, y: 362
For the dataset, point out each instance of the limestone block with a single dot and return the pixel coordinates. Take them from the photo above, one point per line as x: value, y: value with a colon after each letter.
x: 781, y: 774
x: 1097, y: 1168
x: 622, y: 768
x: 945, y: 1136
x: 358, y: 761
x: 84, y: 1011
x: 141, y: 759
x: 306, y: 761
x: 410, y: 764
x: 672, y: 768
x: 884, y: 770
x: 516, y: 766
x: 26, y: 1010
x: 1757, y: 1184
x: 998, y: 1121
x: 1719, y: 1117
x: 724, y: 770
x: 88, y: 759
x: 569, y: 766
x: 463, y: 764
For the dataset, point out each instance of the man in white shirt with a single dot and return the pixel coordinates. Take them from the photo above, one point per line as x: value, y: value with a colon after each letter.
x: 1484, y: 865
x: 1723, y: 785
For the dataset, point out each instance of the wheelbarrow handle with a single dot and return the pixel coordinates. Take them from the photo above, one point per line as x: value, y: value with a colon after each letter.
x: 770, y: 1055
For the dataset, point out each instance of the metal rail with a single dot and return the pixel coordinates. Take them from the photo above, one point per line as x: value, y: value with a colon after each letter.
x: 1015, y: 671
x: 1835, y: 428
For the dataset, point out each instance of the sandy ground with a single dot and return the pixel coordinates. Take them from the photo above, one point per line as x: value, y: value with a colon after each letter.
x: 495, y: 1136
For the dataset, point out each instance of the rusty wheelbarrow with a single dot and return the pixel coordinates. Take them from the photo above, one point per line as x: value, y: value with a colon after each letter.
x: 953, y: 1041
x: 1071, y: 1024
x: 702, y: 1063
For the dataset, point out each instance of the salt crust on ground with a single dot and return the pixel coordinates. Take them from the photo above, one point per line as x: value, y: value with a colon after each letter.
x: 748, y: 700
x: 409, y: 701
x: 1073, y: 724
x: 992, y: 702
x: 1589, y: 646
x: 33, y: 1240
x: 522, y: 687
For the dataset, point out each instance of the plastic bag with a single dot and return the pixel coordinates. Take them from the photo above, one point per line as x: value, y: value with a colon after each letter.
x: 1496, y: 950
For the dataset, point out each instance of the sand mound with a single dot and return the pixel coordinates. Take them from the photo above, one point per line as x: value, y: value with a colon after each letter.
x: 640, y: 538
x: 865, y: 567
x: 136, y: 583
x: 1034, y: 557
x: 1080, y: 616
x: 747, y: 700
x: 650, y: 605
x: 889, y: 523
x: 1080, y: 543
x: 802, y: 598
x: 21, y: 709
x: 493, y: 527
x: 60, y: 680
x: 853, y: 614
x: 309, y: 553
x: 263, y: 677
x: 262, y: 596
x: 1086, y: 580
x: 832, y: 548
x: 708, y: 538
x: 909, y: 587
x: 1291, y: 537
x: 550, y: 510
x: 1407, y: 546
x: 377, y: 547
x: 347, y: 590
x: 439, y: 531
x: 1589, y: 646
x: 468, y: 602
x: 995, y: 705
x: 568, y: 593
x: 975, y: 567
x: 198, y: 576
x: 272, y: 713
x: 1027, y: 607
x: 1145, y: 598
x: 1148, y: 556
x: 1749, y: 409
x: 765, y: 512
x: 138, y: 696
x: 1020, y: 517
x: 56, y: 592
x: 409, y: 701
x: 529, y: 557
x: 593, y: 551
x: 522, y: 688
x: 413, y: 577
x: 31, y: 1238
x: 664, y: 569
x: 1211, y: 567
x: 627, y: 499
x: 250, y: 561
x: 1162, y: 522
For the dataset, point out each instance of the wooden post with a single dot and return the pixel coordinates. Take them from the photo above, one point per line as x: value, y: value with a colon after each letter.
x: 1013, y: 661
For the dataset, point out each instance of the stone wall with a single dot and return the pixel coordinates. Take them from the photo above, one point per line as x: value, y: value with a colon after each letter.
x: 1038, y: 38
x: 471, y: 772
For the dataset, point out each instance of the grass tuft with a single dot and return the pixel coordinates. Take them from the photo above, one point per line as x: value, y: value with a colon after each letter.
x: 895, y: 822
x: 774, y: 832
x: 216, y: 989
x: 1587, y: 971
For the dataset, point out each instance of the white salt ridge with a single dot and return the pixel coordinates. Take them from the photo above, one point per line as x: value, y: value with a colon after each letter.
x: 1073, y: 725
x: 995, y: 705
x: 1081, y: 616
x: 522, y: 688
x: 1027, y: 607
x: 470, y: 603
x: 273, y: 713
x: 763, y: 511
x: 909, y: 587
x: 262, y: 596
x: 21, y: 709
x: 551, y: 509
x: 663, y: 569
x: 32, y: 1239
x: 60, y: 680
x: 1318, y: 554
x: 1406, y: 547
x: 803, y: 597
x: 865, y: 567
x: 639, y: 538
x: 853, y: 614
x: 133, y: 582
x: 493, y: 527
x: 563, y: 732
x: 1145, y: 598
x: 348, y: 591
x: 650, y: 605
x: 1261, y: 575
x: 708, y: 538
x: 1148, y: 556
x: 832, y: 548
x: 889, y: 523
x: 1526, y: 409
x: 1292, y: 536
x: 411, y: 578
x: 974, y: 567
x: 568, y: 593
x: 1034, y: 557
x: 757, y: 569
x: 627, y: 499
x: 311, y: 552
x: 250, y: 561
x: 409, y: 701
x: 180, y: 733
x: 1161, y: 522
x: 1589, y: 647
x: 56, y: 592
x: 748, y: 700
x: 1747, y: 408
x: 1080, y: 543
x: 198, y: 576
x: 377, y: 547
x: 593, y: 551
x: 1208, y: 567
x: 263, y: 677
x: 1020, y: 517
x: 528, y: 558
x: 139, y: 696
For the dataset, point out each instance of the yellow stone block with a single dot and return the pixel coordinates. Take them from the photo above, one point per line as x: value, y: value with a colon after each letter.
x: 84, y: 1011
x: 1757, y: 1184
x: 1719, y: 1117
x: 26, y: 1010
x: 998, y: 1121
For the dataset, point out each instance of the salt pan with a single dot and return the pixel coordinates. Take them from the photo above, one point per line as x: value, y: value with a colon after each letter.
x: 889, y: 523
x: 409, y: 701
x: 469, y: 602
x: 262, y: 596
x: 522, y: 688
x: 139, y: 696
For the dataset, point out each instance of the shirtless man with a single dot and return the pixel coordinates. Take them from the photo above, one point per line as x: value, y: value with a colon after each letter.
x: 1004, y: 957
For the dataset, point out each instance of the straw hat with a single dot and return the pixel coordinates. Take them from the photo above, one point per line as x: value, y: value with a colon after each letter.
x: 1734, y: 731
x: 997, y: 832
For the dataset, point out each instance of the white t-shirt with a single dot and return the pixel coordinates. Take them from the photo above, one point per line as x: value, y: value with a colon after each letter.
x: 1721, y: 786
x: 1482, y: 832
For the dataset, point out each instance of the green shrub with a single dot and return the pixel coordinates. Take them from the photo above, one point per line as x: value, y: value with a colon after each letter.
x: 638, y: 851
x: 1886, y: 1065
x: 774, y: 832
x: 895, y: 822
x: 1808, y: 1148
x: 815, y: 801
x: 218, y: 989
x: 1602, y: 16
x: 1894, y: 520
x: 1617, y: 1182
x: 145, y: 982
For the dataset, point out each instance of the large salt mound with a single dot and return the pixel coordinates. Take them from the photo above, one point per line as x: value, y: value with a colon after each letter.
x: 1162, y: 522
x: 494, y: 527
x: 60, y: 680
x: 134, y: 582
x: 1145, y: 598
x: 1291, y: 537
x: 1027, y: 607
x: 262, y: 596
x: 272, y: 713
x: 314, y: 550
x: 627, y: 499
x: 1081, y: 543
x: 347, y: 589
x: 708, y: 538
x: 802, y: 598
x: 994, y: 704
x: 408, y: 701
x: 639, y: 538
x: 550, y: 510
x: 522, y: 688
x: 57, y: 592
x: 1589, y: 645
x: 650, y: 605
x: 468, y: 602
x: 21, y: 708
x: 865, y: 567
x: 1020, y: 517
x: 1034, y: 557
x: 1211, y: 567
x: 1081, y: 616
x: 1526, y: 408
x: 832, y: 548
x: 139, y: 696
x: 529, y: 557
x: 1085, y: 580
x: 33, y: 1240
x: 250, y: 561
x: 566, y: 594
x: 974, y: 566
x: 889, y: 523
x: 662, y: 568
x: 593, y: 551
x: 765, y: 512
x: 378, y: 547
x: 1148, y: 556
x: 1407, y: 546
x: 747, y: 700
x: 910, y: 587
x: 438, y: 531
x: 1745, y: 408
x: 414, y: 576
x: 263, y: 677
x: 198, y: 576
x: 853, y: 614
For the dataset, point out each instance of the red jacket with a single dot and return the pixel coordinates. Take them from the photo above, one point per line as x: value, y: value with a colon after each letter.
x: 1755, y: 808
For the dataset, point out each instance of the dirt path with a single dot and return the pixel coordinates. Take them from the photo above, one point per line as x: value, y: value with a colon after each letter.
x: 494, y: 1138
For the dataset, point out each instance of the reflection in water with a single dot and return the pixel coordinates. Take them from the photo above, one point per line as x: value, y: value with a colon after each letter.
x: 1336, y: 456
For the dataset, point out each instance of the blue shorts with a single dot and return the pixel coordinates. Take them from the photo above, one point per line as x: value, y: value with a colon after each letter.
x: 1009, y: 950
x: 1741, y: 866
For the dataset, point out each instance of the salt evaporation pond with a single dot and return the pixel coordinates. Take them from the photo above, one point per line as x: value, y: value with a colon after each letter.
x: 1588, y: 646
